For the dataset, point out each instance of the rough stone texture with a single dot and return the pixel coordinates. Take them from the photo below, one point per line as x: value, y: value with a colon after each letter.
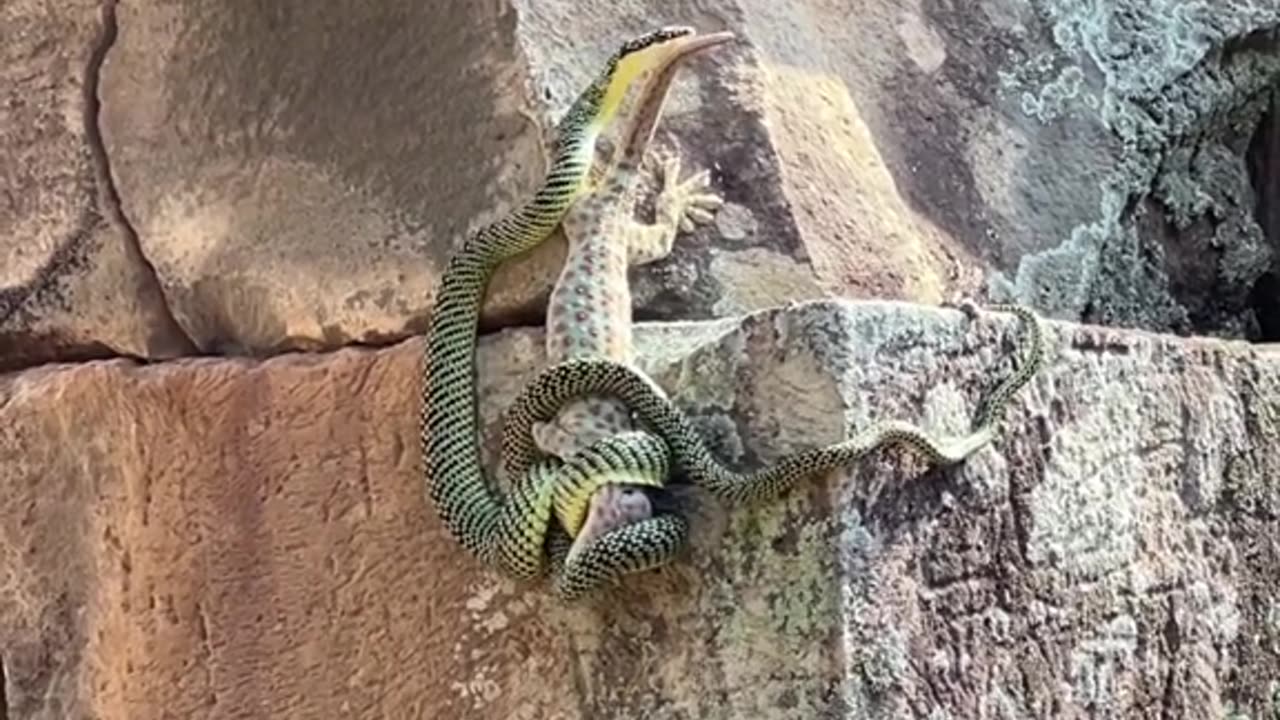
x: 1264, y: 170
x: 72, y: 282
x: 1178, y: 88
x: 297, y: 174
x: 227, y: 538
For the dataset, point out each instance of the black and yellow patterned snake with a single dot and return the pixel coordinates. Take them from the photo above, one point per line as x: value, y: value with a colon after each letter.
x: 516, y: 532
x: 544, y: 395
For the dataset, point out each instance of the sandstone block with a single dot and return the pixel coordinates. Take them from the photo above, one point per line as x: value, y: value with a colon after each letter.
x: 227, y: 538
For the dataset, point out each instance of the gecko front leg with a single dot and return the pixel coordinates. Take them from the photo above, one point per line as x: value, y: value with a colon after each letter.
x: 678, y: 206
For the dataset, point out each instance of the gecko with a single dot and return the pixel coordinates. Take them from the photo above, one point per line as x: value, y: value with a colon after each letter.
x: 589, y: 310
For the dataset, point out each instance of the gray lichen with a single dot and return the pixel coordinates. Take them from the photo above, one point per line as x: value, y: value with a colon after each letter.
x: 1167, y: 78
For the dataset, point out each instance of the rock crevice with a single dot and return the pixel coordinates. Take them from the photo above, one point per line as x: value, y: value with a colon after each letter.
x: 109, y: 194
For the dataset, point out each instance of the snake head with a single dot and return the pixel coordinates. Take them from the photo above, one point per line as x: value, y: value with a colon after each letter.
x: 650, y: 53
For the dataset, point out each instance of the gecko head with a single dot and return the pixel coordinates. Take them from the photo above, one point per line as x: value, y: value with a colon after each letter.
x: 610, y: 508
x: 650, y: 53
x: 617, y: 505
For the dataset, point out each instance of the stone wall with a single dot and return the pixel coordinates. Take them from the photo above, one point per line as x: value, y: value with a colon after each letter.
x: 221, y: 226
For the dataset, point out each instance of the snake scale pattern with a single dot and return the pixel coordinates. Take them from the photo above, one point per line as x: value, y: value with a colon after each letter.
x: 543, y: 396
x: 516, y: 532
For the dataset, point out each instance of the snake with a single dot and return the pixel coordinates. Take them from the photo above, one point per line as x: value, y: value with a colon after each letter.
x: 574, y: 377
x: 515, y: 532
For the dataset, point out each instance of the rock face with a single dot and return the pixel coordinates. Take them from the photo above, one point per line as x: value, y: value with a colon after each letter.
x: 305, y: 192
x: 72, y: 281
x: 294, y: 176
x: 215, y: 537
x: 227, y: 538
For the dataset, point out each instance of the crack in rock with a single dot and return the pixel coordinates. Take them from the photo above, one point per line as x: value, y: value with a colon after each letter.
x: 108, y: 193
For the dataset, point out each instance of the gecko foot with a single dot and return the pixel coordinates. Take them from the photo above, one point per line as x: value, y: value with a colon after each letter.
x: 686, y: 203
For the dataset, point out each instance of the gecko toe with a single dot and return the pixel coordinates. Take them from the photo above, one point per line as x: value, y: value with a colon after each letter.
x: 698, y: 215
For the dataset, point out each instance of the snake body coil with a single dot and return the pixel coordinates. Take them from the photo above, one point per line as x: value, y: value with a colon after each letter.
x: 554, y: 385
x: 513, y: 532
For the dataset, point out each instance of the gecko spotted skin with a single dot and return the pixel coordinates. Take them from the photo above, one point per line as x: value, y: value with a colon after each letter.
x: 589, y: 313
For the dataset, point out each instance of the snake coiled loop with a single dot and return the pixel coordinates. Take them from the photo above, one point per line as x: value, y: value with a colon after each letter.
x: 557, y: 383
x: 512, y: 532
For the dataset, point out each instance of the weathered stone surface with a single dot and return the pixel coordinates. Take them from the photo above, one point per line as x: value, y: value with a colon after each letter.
x: 1176, y: 89
x: 72, y: 282
x: 220, y: 538
x: 304, y: 193
x: 298, y: 173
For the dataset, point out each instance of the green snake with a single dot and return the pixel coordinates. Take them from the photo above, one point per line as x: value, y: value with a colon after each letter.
x: 542, y: 397
x: 515, y: 532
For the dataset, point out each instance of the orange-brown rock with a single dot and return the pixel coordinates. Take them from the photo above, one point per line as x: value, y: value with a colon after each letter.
x: 235, y: 539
